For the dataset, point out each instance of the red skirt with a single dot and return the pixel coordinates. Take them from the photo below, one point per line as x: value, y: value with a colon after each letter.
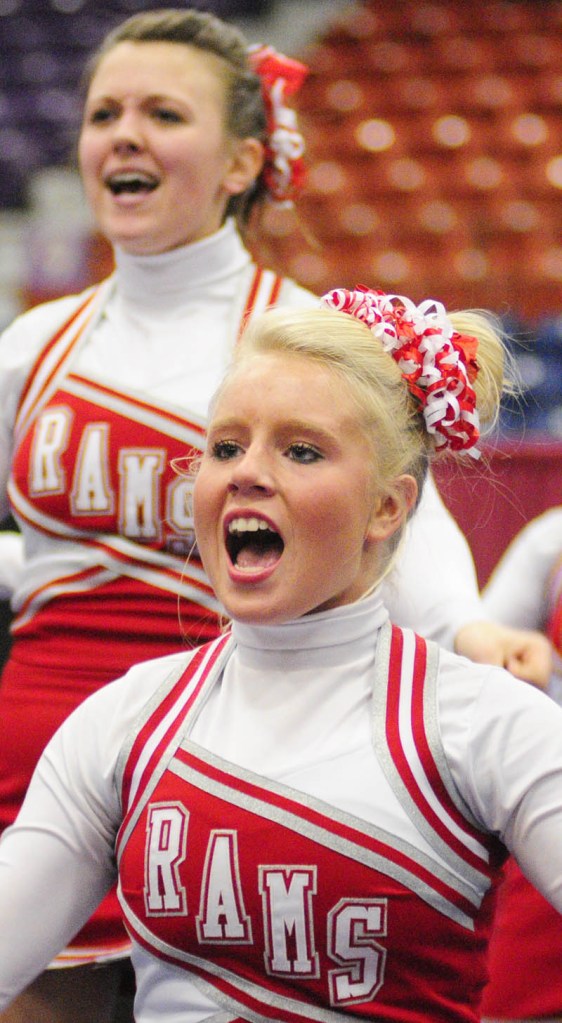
x: 525, y: 959
x: 69, y: 650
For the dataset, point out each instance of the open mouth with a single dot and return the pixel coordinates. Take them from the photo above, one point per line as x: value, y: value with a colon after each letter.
x: 252, y: 543
x: 131, y: 182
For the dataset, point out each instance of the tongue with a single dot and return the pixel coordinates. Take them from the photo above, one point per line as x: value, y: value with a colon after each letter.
x: 257, y: 556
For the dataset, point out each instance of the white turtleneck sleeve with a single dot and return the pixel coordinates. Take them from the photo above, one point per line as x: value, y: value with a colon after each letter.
x: 516, y: 593
x: 11, y: 562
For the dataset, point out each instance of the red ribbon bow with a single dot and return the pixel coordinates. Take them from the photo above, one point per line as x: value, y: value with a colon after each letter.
x: 438, y: 365
x: 284, y: 170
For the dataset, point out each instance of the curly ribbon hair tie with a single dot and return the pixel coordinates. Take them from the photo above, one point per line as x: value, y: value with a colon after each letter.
x: 280, y: 76
x: 438, y: 364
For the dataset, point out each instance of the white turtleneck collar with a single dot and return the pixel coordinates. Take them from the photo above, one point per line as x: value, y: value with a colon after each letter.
x: 296, y: 694
x: 326, y: 631
x: 174, y: 276
x: 169, y: 321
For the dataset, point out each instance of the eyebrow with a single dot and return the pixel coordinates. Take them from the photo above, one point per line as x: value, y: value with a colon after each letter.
x: 153, y: 97
x: 294, y: 425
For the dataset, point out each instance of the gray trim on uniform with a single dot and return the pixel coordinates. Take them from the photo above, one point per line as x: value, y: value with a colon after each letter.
x: 167, y: 754
x: 478, y: 880
x: 324, y: 837
x: 307, y: 1011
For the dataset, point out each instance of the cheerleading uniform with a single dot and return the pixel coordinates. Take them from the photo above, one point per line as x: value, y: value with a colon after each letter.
x: 98, y: 393
x: 308, y: 821
x: 526, y: 948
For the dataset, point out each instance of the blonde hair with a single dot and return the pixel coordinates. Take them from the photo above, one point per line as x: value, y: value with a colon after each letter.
x: 390, y: 414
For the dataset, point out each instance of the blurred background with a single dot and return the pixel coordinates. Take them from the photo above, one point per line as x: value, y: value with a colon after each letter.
x: 434, y: 134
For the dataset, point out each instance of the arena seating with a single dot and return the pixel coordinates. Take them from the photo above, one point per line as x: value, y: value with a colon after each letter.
x: 447, y: 116
x: 434, y: 147
x: 435, y: 169
x: 43, y: 48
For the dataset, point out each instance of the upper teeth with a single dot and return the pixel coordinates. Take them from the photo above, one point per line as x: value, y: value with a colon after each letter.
x: 124, y: 178
x: 247, y: 525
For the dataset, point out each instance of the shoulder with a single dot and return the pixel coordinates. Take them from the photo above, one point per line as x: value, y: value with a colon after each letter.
x: 105, y: 719
x: 24, y: 338
x: 48, y: 314
x: 121, y: 701
x: 130, y: 693
x: 466, y: 684
x: 544, y: 532
x: 516, y: 590
x: 135, y: 695
x: 492, y: 724
x: 21, y: 345
x: 294, y: 295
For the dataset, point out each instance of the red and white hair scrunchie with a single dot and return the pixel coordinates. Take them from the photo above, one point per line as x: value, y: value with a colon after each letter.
x: 280, y: 76
x: 438, y: 364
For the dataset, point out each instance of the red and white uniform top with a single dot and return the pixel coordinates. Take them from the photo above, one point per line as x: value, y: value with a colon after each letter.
x: 308, y: 820
x: 98, y: 393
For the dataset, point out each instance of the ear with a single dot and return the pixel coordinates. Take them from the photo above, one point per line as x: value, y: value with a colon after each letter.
x: 391, y: 509
x: 245, y: 165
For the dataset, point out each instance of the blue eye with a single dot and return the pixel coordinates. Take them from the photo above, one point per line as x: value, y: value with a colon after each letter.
x: 223, y: 450
x: 304, y: 453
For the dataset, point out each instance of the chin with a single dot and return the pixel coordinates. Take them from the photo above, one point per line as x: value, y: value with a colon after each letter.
x: 257, y: 612
x: 256, y: 616
x: 137, y: 246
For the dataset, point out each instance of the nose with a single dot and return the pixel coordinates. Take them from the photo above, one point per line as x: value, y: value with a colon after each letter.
x: 127, y: 135
x: 251, y: 474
